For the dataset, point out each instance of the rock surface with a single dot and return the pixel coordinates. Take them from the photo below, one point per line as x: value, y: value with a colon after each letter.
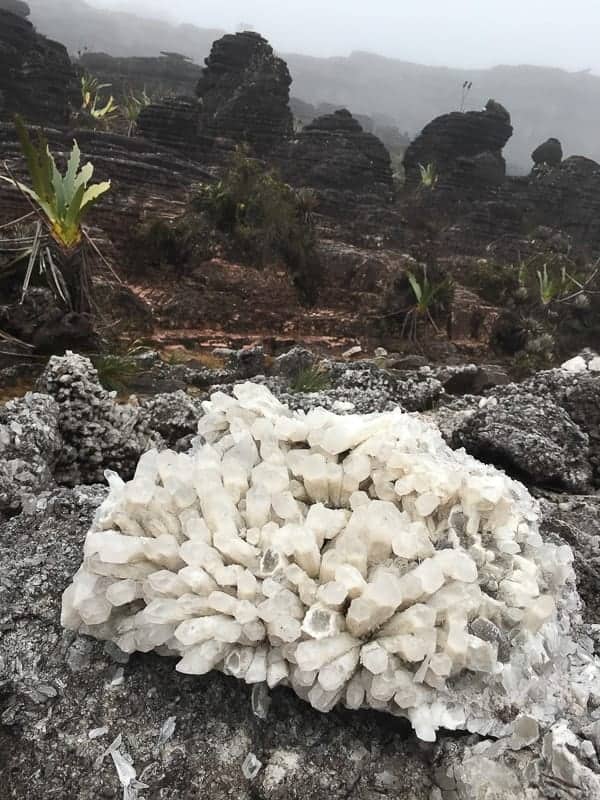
x: 334, y: 153
x: 549, y: 152
x: 244, y: 90
x: 537, y: 442
x: 461, y: 146
x: 97, y: 433
x: 30, y: 447
x: 37, y: 79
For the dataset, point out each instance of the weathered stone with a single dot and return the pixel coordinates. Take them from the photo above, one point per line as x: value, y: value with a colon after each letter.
x: 462, y: 147
x: 568, y: 197
x: 30, y: 447
x: 155, y: 75
x: 37, y: 79
x: 97, y: 432
x: 171, y: 122
x: 550, y: 153
x: 334, y: 153
x: 244, y: 90
x: 531, y: 437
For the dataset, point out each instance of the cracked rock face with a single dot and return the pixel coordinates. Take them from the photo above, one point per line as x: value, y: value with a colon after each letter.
x: 531, y: 437
x: 30, y: 446
x: 356, y: 559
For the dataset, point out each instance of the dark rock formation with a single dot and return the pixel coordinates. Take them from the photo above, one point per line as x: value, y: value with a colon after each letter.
x: 550, y: 152
x: 335, y: 153
x: 161, y: 76
x: 40, y: 321
x: 17, y: 7
x: 244, y: 90
x: 463, y: 147
x: 535, y: 440
x: 146, y: 179
x: 568, y: 197
x: 172, y: 122
x: 37, y: 79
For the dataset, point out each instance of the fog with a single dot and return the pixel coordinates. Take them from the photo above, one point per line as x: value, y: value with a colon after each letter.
x: 459, y: 33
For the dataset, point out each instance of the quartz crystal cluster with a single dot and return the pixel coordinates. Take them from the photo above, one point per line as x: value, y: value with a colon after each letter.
x: 354, y: 558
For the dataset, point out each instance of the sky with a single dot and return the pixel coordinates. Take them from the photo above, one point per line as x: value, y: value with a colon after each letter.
x: 457, y: 33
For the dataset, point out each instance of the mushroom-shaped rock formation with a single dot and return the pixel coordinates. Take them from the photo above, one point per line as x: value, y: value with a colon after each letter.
x: 37, y: 78
x: 549, y: 152
x: 457, y: 143
x: 245, y: 90
x: 334, y: 153
x: 354, y: 558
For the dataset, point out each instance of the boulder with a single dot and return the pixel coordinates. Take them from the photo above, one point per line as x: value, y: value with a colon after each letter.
x: 334, y: 153
x: 37, y: 79
x: 244, y: 90
x: 462, y: 146
x: 549, y: 152
x: 531, y: 437
x: 97, y: 432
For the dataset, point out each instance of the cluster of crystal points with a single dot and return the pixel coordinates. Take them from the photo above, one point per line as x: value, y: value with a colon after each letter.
x: 356, y: 559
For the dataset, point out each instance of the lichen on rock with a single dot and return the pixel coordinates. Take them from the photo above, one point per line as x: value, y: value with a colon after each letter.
x: 354, y: 558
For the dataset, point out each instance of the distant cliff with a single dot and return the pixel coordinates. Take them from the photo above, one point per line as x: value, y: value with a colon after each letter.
x: 544, y: 102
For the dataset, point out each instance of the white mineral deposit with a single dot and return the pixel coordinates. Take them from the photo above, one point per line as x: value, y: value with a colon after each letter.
x: 356, y: 559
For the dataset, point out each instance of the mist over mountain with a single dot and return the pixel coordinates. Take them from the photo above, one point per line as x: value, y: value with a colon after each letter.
x: 543, y: 101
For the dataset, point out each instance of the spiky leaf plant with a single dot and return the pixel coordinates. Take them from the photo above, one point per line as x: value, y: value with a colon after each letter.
x: 61, y: 203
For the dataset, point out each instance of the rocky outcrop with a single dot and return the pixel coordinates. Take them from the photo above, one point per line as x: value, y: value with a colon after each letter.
x: 568, y: 197
x: 17, y: 7
x: 335, y: 154
x: 535, y: 441
x: 164, y: 75
x: 147, y: 180
x: 244, y: 90
x: 37, y: 79
x: 550, y: 152
x: 172, y: 122
x: 464, y: 148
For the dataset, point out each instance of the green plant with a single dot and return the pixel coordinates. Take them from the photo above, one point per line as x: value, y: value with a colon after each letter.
x: 311, y: 379
x: 429, y: 175
x: 116, y: 372
x: 552, y: 287
x: 131, y: 108
x: 90, y: 99
x: 264, y: 218
x: 425, y: 294
x: 61, y: 203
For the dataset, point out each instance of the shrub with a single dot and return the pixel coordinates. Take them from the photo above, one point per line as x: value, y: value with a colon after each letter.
x: 311, y: 379
x: 264, y: 218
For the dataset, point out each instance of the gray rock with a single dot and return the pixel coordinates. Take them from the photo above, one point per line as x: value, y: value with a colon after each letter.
x: 30, y: 447
x: 576, y: 520
x: 530, y: 437
x: 97, y: 432
x: 294, y: 361
x: 173, y: 416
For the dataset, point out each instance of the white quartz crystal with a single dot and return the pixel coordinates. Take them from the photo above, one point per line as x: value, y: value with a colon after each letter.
x: 354, y: 558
